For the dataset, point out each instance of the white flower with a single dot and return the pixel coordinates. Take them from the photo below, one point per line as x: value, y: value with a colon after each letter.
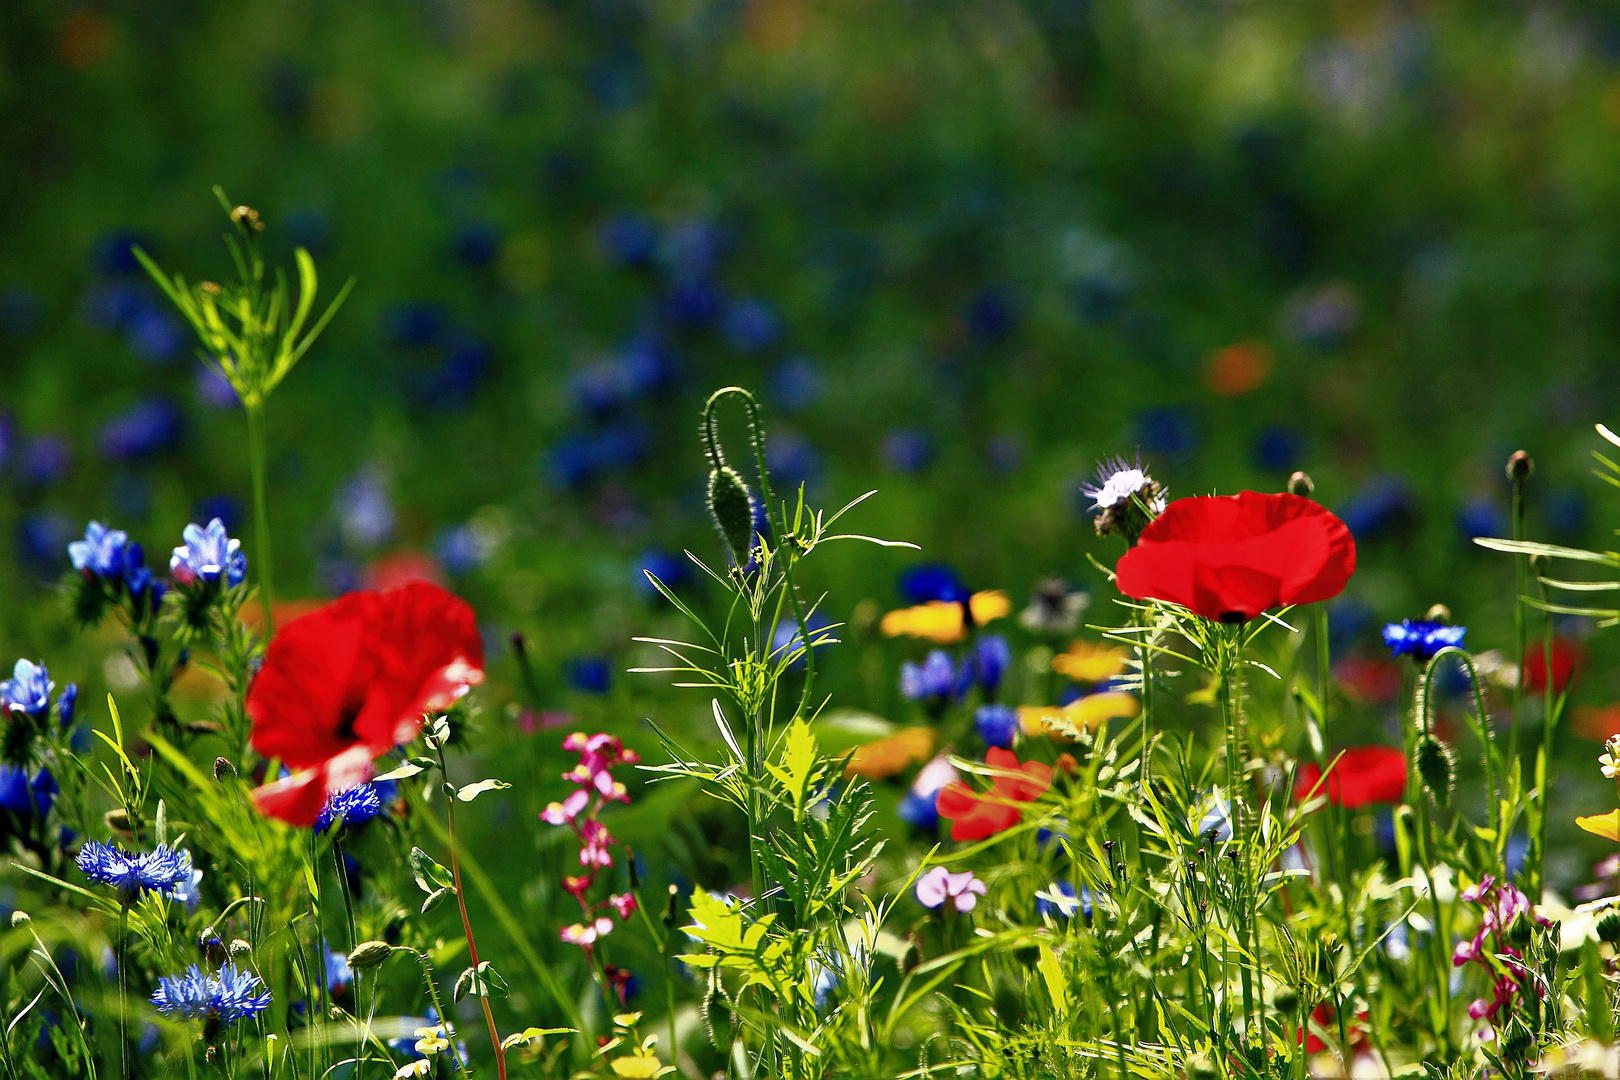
x: 1118, y: 481
x: 1610, y: 761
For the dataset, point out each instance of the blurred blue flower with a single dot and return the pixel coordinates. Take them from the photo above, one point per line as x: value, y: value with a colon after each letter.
x: 590, y: 674
x: 65, y: 704
x: 153, y: 335
x: 365, y: 509
x: 451, y: 383
x: 997, y: 725
x: 148, y: 427
x: 26, y: 795
x: 101, y: 552
x: 130, y: 495
x: 918, y: 811
x: 414, y: 324
x: 907, y: 450
x: 214, y: 389
x: 1565, y: 513
x: 577, y: 460
x: 795, y: 384
x: 225, y: 507
x: 693, y: 248
x: 694, y: 302
x: 627, y: 239
x: 1481, y: 516
x: 673, y: 570
x: 353, y: 807
x: 786, y: 637
x: 41, y: 537
x: 462, y: 548
x: 207, y: 554
x: 1279, y: 449
x: 1382, y: 505
x: 792, y: 460
x: 931, y: 581
x: 1167, y: 431
x: 28, y: 690
x: 339, y: 976
x: 477, y: 244
x: 934, y: 681
x: 750, y: 324
x: 1060, y: 901
x: 1004, y: 453
x: 1347, y: 620
x: 1422, y: 639
x: 991, y: 657
x: 44, y: 459
x: 616, y: 82
x: 990, y: 315
x: 111, y: 253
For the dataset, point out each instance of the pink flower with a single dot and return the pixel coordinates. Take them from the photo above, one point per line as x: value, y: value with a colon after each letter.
x: 623, y: 903
x: 594, y: 840
x: 585, y: 936
x: 939, y: 885
x: 598, y: 755
x: 576, y: 886
x: 570, y: 808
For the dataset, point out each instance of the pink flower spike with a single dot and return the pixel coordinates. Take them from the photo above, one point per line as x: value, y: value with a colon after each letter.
x: 624, y: 904
x: 567, y: 810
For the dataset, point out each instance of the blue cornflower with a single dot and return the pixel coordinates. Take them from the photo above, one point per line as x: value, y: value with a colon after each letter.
x: 786, y: 639
x: 22, y: 794
x: 161, y: 870
x: 919, y: 811
x: 1421, y: 640
x: 352, y: 807
x: 932, y: 581
x: 997, y: 725
x: 206, y: 554
x: 28, y: 690
x: 230, y: 995
x: 934, y: 680
x: 101, y: 552
x: 66, y: 702
x: 338, y: 973
x: 991, y: 656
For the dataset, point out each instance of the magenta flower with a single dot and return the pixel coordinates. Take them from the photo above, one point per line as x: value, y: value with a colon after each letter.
x: 561, y: 813
x: 623, y: 903
x: 585, y: 935
x: 594, y: 844
x: 939, y: 885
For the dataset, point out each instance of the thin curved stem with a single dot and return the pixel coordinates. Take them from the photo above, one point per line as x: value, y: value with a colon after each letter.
x: 258, y: 464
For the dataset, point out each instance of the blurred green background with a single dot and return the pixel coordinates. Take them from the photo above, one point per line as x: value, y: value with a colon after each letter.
x: 962, y: 250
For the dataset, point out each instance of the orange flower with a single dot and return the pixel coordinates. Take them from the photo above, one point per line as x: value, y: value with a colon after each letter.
x: 1597, y: 722
x: 1238, y: 369
x: 1088, y: 661
x: 1081, y: 714
x: 976, y: 817
x: 885, y: 757
x: 944, y: 622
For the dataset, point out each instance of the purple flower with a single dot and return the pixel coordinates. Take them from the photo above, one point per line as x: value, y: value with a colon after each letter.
x: 940, y: 885
x: 148, y: 427
x: 991, y: 656
x: 206, y: 554
x: 934, y: 680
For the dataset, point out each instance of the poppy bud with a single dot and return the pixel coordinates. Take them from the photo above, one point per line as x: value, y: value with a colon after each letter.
x: 240, y: 950
x: 1608, y: 927
x: 1438, y: 613
x: 1301, y: 484
x: 223, y: 769
x: 213, y: 949
x: 368, y: 954
x: 731, y: 505
x: 1520, y: 466
x: 1436, y: 763
x: 1286, y: 1000
x: 669, y: 908
x: 630, y: 865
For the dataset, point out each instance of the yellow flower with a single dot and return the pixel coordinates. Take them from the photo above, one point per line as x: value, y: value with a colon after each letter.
x: 431, y: 1040
x: 942, y: 621
x: 1081, y: 714
x: 1604, y: 825
x: 884, y: 758
x: 636, y: 1065
x: 1090, y: 662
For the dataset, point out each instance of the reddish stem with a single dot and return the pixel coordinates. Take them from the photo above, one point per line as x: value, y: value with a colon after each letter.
x: 466, y: 925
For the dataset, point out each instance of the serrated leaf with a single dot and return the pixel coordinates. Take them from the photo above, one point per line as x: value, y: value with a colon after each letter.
x: 1052, y: 974
x: 477, y: 788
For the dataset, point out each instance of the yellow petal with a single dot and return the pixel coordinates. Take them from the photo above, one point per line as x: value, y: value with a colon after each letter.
x: 636, y: 1066
x: 989, y: 605
x: 885, y: 757
x: 1089, y: 662
x: 937, y: 621
x: 1604, y: 825
x: 1081, y: 714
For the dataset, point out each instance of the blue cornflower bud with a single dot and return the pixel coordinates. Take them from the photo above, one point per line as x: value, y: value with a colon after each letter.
x: 227, y: 997
x: 991, y: 657
x: 101, y: 552
x: 349, y: 808
x: 28, y: 690
x: 1421, y: 640
x: 161, y: 870
x: 207, y: 554
x: 997, y: 725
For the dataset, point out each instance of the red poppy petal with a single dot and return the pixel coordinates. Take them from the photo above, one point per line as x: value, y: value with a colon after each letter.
x: 300, y: 696
x: 1368, y: 774
x: 297, y: 799
x: 955, y: 800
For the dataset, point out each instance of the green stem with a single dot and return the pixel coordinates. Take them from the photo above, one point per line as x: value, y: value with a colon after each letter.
x: 258, y: 463
x: 1543, y: 760
x: 123, y: 990
x: 1521, y: 574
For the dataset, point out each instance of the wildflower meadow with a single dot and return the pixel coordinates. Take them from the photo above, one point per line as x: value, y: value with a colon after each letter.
x: 768, y: 540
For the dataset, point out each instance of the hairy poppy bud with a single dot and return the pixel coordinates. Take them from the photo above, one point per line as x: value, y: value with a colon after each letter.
x: 731, y: 505
x: 1520, y: 466
x: 669, y: 908
x: 240, y: 950
x: 223, y: 769
x: 368, y: 954
x: 1436, y: 763
x: 1608, y: 927
x: 1301, y: 484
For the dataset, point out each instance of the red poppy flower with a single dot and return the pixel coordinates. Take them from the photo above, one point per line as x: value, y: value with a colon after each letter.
x: 1230, y: 557
x: 1566, y: 658
x: 352, y: 680
x: 1366, y: 774
x: 976, y: 817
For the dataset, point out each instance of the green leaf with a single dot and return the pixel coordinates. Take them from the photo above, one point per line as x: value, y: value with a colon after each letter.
x: 530, y: 1034
x: 429, y: 875
x: 1052, y: 974
x: 437, y: 897
x: 405, y: 771
x: 483, y: 981
x: 799, y: 765
x: 473, y: 790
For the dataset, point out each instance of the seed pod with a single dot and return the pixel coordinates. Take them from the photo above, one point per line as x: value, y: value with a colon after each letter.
x: 1520, y: 930
x: 223, y: 769
x: 368, y: 954
x: 731, y: 505
x: 1301, y: 484
x: 1437, y: 767
x: 1520, y: 466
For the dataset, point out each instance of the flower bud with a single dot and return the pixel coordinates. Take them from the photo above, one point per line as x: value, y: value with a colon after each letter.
x: 1520, y: 466
x: 248, y: 218
x: 1286, y: 1001
x: 731, y: 505
x: 1520, y: 930
x: 1300, y: 483
x: 1438, y: 613
x: 1517, y: 1039
x: 1436, y: 763
x: 240, y: 950
x: 223, y: 769
x: 1608, y: 926
x: 669, y: 908
x: 368, y: 954
x: 20, y: 918
x: 213, y: 949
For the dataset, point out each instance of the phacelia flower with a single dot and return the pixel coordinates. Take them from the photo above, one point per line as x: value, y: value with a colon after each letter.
x: 1230, y: 557
x: 1054, y: 609
x: 352, y: 680
x: 997, y: 725
x: 349, y: 808
x: 1124, y: 498
x: 976, y: 816
x: 101, y: 552
x: 207, y: 554
x: 1421, y: 640
x: 28, y: 690
x: 1363, y: 775
x: 228, y: 996
x: 160, y: 870
x: 940, y: 885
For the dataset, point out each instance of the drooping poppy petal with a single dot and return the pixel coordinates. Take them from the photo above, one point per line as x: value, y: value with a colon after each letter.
x: 1366, y: 774
x: 1567, y: 657
x: 977, y: 817
x: 351, y: 681
x: 1230, y: 557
